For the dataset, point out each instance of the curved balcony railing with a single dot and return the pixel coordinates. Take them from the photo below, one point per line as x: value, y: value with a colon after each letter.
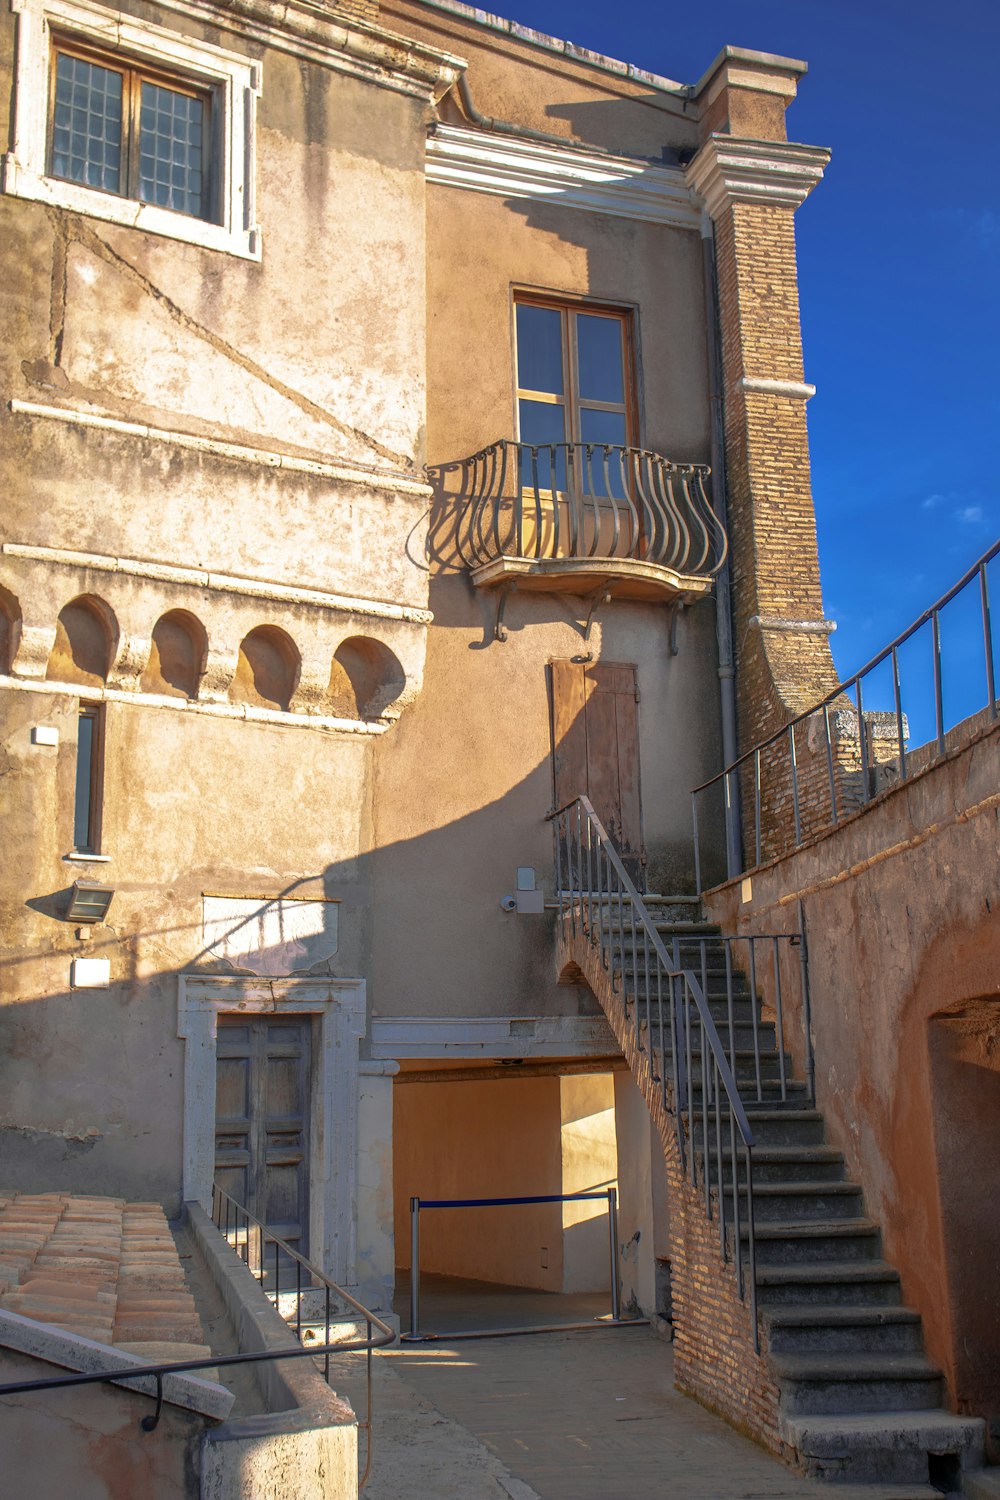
x: 558, y: 501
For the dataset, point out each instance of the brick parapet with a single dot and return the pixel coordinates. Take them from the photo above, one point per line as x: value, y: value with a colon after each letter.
x: 714, y: 1357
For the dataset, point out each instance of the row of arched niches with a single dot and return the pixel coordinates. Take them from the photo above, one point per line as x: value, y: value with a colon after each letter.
x: 366, y: 677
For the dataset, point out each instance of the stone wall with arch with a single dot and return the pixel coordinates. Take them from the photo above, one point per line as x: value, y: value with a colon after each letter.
x: 255, y: 654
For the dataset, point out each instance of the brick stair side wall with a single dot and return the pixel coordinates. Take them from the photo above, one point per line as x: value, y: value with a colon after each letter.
x: 714, y: 1358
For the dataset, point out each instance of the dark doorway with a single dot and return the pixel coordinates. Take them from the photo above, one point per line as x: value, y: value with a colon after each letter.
x: 262, y: 1088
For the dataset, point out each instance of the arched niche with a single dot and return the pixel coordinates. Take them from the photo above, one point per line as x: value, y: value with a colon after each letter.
x: 267, y: 671
x: 365, y: 678
x: 177, y: 657
x: 10, y: 628
x: 85, y: 643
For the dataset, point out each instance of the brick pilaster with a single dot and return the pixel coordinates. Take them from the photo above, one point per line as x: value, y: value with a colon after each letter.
x: 751, y: 189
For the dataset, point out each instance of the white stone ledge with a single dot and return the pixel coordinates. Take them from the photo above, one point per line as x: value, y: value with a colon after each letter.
x: 567, y: 176
x: 267, y: 458
x: 246, y: 711
x: 798, y: 390
x: 85, y: 1356
x: 230, y: 583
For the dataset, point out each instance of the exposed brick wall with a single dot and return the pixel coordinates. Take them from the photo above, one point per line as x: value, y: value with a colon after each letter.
x: 714, y: 1357
x: 775, y: 566
x: 365, y: 10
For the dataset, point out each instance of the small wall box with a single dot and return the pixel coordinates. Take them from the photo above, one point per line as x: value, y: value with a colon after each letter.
x: 90, y: 973
x: 44, y: 734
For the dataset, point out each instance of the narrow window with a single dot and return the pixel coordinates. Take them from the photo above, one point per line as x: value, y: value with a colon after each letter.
x: 89, y: 758
x: 124, y: 129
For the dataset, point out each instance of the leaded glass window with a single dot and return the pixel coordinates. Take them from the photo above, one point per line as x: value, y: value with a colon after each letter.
x: 120, y: 130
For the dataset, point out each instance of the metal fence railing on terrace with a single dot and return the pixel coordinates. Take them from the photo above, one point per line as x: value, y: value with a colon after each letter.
x: 557, y: 501
x: 921, y: 695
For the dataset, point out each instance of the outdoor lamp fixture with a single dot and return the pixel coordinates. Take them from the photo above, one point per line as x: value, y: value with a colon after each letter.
x: 89, y: 901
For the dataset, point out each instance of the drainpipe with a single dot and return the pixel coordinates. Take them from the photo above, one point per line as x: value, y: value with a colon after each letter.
x: 723, y: 608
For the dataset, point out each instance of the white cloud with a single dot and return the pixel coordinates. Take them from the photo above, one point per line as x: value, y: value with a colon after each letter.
x: 971, y: 514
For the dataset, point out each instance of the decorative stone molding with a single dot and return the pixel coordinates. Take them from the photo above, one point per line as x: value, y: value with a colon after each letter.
x: 267, y: 458
x: 339, y: 1005
x: 202, y: 578
x: 567, y: 176
x: 31, y: 659
x: 130, y: 662
x: 798, y: 390
x: 729, y: 169
x: 491, y: 1036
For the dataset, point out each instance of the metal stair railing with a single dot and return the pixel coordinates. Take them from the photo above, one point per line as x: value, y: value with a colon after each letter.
x: 670, y: 1022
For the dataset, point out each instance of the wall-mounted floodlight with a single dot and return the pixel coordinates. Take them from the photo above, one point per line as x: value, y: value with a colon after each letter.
x: 89, y: 901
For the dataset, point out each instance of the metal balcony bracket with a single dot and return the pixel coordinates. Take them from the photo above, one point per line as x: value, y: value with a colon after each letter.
x: 599, y: 597
x: 499, y: 628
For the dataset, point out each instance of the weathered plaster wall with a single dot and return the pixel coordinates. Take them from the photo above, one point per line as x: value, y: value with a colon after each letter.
x: 901, y: 905
x: 477, y: 744
x: 192, y: 805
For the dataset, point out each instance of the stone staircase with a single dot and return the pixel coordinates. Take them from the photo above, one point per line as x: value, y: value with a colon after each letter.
x: 858, y: 1400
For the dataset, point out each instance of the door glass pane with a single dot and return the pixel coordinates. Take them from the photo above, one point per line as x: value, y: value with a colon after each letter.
x: 599, y: 351
x: 87, y: 129
x: 170, y: 161
x: 602, y: 426
x: 539, y: 349
x: 542, y: 423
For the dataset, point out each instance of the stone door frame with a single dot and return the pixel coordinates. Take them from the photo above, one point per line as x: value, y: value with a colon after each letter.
x: 340, y: 1007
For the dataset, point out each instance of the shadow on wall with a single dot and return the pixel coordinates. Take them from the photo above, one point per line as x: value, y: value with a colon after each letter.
x: 964, y: 1050
x: 94, y: 1077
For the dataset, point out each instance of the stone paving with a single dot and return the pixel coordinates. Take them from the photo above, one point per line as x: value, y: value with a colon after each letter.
x: 100, y: 1268
x: 582, y: 1415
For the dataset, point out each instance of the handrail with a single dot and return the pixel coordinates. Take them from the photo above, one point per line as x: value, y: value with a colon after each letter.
x: 386, y: 1335
x: 596, y: 875
x: 161, y: 1370
x: 548, y: 501
x: 786, y: 734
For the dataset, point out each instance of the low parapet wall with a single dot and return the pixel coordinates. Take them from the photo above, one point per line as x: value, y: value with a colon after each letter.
x: 305, y: 1445
x: 902, y: 909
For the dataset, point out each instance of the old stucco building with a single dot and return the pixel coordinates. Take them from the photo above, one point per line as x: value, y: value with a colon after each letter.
x: 365, y: 366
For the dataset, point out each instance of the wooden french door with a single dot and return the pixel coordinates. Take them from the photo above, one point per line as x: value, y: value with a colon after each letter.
x: 262, y: 1090
x: 595, y: 749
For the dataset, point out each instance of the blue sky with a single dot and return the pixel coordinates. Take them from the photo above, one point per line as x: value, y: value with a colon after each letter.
x: 899, y: 273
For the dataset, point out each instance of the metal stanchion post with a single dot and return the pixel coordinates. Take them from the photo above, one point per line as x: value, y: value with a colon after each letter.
x: 616, y: 1297
x: 414, y: 1264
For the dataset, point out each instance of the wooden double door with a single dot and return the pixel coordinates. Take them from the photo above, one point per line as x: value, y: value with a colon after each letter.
x: 262, y: 1108
x: 595, y: 750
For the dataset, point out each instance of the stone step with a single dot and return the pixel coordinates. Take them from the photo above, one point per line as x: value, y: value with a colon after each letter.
x: 830, y: 1329
x: 792, y: 1164
x: 796, y: 1243
x: 840, y: 1283
x: 794, y: 1125
x: 781, y: 1202
x: 897, y: 1448
x: 831, y: 1384
x: 768, y: 1095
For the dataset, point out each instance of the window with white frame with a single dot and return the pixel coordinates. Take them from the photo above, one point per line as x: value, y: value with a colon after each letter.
x: 132, y: 123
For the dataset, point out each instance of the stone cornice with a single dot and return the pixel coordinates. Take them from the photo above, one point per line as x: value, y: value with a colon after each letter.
x: 572, y: 177
x: 347, y: 45
x: 729, y: 169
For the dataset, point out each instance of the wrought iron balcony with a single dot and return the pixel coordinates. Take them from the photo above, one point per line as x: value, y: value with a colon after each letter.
x: 583, y: 517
